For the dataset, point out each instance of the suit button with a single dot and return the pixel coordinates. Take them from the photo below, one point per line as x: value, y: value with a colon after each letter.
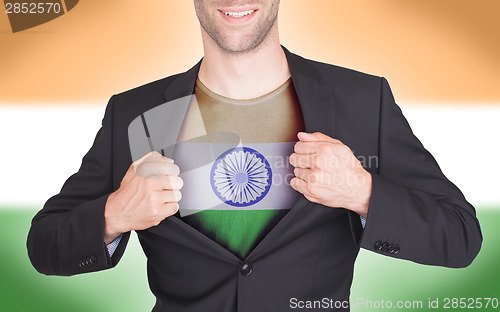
x: 82, y: 263
x: 93, y: 260
x: 384, y: 246
x: 396, y: 249
x: 390, y: 249
x: 378, y: 245
x: 246, y: 269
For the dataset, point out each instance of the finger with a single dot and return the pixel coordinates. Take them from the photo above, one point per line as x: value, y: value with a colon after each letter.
x: 170, y: 196
x: 301, y: 186
x: 303, y: 147
x: 172, y: 169
x: 311, y: 176
x: 315, y: 147
x: 172, y: 183
x: 151, y: 170
x: 171, y: 208
x: 143, y: 158
x: 302, y: 173
x: 316, y: 137
x: 157, y: 169
x: 302, y: 161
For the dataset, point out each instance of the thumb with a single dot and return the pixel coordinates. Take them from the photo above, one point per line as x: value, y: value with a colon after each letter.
x: 315, y: 137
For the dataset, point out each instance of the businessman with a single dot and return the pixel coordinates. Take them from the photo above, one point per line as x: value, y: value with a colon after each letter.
x: 263, y: 244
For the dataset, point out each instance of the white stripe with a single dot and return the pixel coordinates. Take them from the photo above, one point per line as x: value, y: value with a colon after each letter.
x: 43, y: 146
x: 197, y: 192
x: 465, y: 142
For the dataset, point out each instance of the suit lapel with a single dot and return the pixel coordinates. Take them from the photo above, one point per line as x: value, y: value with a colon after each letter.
x: 318, y: 109
x: 316, y: 99
x: 183, y: 84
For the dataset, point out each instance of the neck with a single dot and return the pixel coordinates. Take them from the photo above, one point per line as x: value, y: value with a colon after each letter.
x: 244, y: 75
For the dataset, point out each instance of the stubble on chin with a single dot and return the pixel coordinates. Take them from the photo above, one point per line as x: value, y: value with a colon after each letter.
x: 247, y: 44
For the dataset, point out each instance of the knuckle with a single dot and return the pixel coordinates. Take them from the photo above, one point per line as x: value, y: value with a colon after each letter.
x: 317, y: 161
x: 297, y: 147
x: 179, y: 183
x: 324, y: 148
x: 313, y: 177
x: 154, y: 157
x: 318, y: 178
x: 344, y: 149
x: 152, y: 198
x: 148, y: 183
x: 172, y: 208
x: 303, y: 162
x: 177, y: 195
x: 173, y: 169
x: 167, y: 183
x: 144, y: 166
x: 177, y: 170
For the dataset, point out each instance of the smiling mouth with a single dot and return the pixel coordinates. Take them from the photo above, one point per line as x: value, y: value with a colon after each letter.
x: 239, y: 14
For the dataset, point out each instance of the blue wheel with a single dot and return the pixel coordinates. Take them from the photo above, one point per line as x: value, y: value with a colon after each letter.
x: 241, y: 177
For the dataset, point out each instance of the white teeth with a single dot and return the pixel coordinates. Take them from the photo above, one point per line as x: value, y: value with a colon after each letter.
x: 239, y: 14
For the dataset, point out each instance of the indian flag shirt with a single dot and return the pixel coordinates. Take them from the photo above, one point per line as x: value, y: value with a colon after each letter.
x: 243, y: 190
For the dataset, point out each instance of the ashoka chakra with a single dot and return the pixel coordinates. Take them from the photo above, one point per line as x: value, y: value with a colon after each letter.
x: 241, y: 177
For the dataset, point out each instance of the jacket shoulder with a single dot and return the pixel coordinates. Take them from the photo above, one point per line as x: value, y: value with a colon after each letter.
x: 337, y: 74
x: 131, y: 103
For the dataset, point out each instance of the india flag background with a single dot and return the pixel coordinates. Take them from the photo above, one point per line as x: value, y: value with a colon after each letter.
x: 440, y: 57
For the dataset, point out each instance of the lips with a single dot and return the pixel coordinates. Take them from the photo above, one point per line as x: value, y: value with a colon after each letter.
x: 237, y: 16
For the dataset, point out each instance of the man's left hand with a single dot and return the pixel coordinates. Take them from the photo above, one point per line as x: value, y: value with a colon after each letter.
x: 327, y: 172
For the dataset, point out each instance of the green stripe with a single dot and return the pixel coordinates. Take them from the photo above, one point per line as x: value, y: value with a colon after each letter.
x: 125, y: 288
x: 237, y: 230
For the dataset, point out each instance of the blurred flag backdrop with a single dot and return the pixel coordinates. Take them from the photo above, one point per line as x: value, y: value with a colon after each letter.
x: 440, y: 57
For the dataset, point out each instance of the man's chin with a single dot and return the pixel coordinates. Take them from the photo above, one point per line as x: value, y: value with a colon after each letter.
x: 242, y: 47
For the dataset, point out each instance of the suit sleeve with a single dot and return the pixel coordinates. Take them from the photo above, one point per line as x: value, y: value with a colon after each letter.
x: 67, y: 236
x: 415, y: 212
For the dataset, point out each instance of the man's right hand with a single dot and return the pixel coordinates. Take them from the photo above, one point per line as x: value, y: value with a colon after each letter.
x: 149, y: 192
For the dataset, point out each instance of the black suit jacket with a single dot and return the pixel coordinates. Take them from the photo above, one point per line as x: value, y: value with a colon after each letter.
x: 415, y: 212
